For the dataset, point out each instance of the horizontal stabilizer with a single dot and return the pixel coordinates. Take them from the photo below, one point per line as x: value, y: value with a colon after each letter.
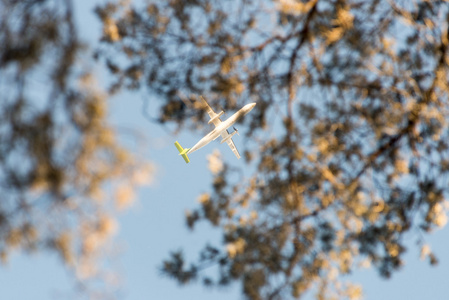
x: 183, y: 152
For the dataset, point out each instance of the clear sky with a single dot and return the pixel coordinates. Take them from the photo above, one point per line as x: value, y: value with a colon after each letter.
x: 155, y: 225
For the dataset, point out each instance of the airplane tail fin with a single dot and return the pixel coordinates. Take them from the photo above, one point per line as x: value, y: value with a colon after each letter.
x: 183, y: 152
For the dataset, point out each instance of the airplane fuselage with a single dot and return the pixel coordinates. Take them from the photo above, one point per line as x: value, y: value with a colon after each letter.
x: 214, y: 134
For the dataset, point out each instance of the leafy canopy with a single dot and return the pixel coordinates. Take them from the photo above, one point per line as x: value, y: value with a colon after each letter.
x: 58, y: 152
x: 347, y: 147
x: 348, y: 141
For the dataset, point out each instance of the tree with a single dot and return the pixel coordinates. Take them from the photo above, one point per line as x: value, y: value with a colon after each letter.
x: 348, y: 141
x: 58, y: 152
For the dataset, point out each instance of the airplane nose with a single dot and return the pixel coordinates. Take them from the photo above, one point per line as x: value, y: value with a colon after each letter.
x: 248, y: 107
x: 251, y: 105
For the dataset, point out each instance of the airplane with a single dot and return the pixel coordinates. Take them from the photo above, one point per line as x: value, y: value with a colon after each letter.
x: 221, y: 129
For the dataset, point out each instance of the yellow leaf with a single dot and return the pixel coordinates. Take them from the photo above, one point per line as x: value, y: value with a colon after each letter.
x: 425, y: 251
x: 124, y: 196
x: 235, y: 247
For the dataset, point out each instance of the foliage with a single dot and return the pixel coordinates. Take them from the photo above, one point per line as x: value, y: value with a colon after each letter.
x: 348, y: 143
x: 57, y: 150
x: 349, y: 139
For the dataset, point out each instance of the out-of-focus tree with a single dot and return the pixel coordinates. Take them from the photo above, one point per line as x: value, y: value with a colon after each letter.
x: 348, y: 142
x: 63, y: 174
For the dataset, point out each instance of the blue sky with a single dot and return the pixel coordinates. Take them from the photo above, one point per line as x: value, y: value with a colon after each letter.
x: 155, y: 225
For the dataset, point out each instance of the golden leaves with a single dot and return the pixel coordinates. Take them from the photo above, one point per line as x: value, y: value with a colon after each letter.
x: 226, y: 65
x: 152, y: 9
x: 94, y: 236
x: 230, y: 86
x: 437, y: 214
x: 334, y: 34
x: 365, y: 263
x: 327, y: 174
x: 215, y: 163
x: 63, y: 243
x: 236, y: 247
x: 14, y: 237
x: 344, y: 18
x: 299, y: 287
x: 144, y: 175
x: 63, y: 158
x: 345, y: 260
x: 342, y: 23
x: 340, y: 155
x: 214, y: 26
x: 377, y: 206
x: 229, y: 62
x: 293, y: 7
x: 401, y: 166
x: 124, y: 196
x: 393, y: 249
x: 204, y: 198
x: 75, y: 159
x: 354, y: 292
x: 426, y: 252
x: 140, y: 175
x: 110, y: 30
x: 239, y: 87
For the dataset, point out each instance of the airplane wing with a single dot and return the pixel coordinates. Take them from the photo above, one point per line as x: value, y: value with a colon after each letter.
x: 214, y: 118
x: 230, y: 143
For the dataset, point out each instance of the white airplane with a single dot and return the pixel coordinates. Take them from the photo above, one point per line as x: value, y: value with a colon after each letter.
x: 221, y: 129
